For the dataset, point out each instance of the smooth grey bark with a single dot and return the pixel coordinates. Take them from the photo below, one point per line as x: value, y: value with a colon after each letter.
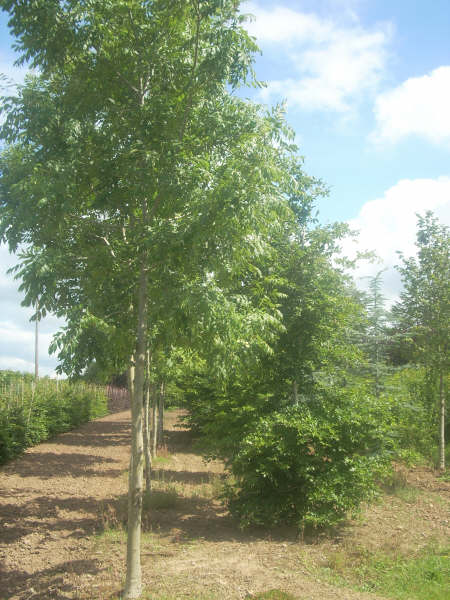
x: 133, y: 584
x: 160, y: 429
x: 154, y: 424
x: 442, y: 422
x: 147, y: 443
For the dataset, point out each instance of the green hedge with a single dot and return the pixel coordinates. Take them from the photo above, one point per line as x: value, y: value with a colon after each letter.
x: 31, y: 413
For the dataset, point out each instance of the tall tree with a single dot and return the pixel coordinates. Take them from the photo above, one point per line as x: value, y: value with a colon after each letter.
x: 134, y: 177
x: 424, y: 307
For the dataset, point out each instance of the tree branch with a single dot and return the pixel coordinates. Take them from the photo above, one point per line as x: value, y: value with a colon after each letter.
x: 191, y: 79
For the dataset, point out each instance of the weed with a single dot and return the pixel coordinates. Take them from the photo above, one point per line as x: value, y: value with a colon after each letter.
x: 408, y: 494
x: 395, y: 481
x: 163, y: 452
x: 273, y: 595
x: 216, y: 486
x: 396, y: 484
x: 161, y: 460
x: 109, y: 518
x: 445, y: 476
x: 161, y: 499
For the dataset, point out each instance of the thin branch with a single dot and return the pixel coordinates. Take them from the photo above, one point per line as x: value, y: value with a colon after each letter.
x: 108, y: 244
x: 191, y: 79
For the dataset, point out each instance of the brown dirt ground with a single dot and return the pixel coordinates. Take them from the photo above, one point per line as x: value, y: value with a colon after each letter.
x: 62, y: 506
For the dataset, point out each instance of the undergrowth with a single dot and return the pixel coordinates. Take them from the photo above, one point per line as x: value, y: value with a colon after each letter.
x: 422, y: 577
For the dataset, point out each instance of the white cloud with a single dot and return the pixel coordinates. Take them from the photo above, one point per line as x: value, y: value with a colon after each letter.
x: 389, y: 223
x: 335, y: 65
x: 16, y: 331
x: 10, y: 363
x: 17, y: 348
x: 419, y: 106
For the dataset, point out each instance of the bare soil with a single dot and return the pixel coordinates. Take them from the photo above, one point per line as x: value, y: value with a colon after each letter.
x: 63, y: 507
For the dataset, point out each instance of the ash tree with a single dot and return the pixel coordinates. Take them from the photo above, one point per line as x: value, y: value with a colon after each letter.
x: 137, y: 186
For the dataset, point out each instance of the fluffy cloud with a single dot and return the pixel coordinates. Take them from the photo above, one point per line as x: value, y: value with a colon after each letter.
x: 389, y: 223
x: 16, y: 331
x: 419, y: 106
x: 335, y: 65
x: 17, y: 348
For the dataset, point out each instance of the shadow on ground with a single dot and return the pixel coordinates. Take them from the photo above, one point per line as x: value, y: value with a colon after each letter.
x: 45, y: 516
x: 47, y: 583
x: 180, y: 440
x: 96, y: 434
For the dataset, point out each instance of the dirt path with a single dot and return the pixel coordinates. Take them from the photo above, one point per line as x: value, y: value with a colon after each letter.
x: 49, y: 507
x: 62, y: 507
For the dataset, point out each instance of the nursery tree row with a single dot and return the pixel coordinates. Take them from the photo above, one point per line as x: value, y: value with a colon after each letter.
x: 170, y: 222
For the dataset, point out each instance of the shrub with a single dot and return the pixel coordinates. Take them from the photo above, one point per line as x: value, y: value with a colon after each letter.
x: 313, y: 463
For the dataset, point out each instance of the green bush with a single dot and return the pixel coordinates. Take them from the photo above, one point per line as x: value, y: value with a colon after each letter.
x: 31, y: 413
x: 311, y: 464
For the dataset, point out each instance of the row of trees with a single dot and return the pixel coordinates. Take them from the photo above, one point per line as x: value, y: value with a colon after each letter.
x: 170, y: 223
x: 142, y: 193
x: 313, y: 427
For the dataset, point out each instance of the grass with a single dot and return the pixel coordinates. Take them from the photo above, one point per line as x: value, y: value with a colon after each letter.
x: 161, y: 499
x: 423, y: 577
x: 397, y: 485
x: 273, y: 595
x: 445, y: 476
x: 161, y: 460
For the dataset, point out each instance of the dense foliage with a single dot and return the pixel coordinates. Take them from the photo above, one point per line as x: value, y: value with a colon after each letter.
x: 32, y: 412
x: 170, y: 222
x: 412, y: 393
x: 302, y: 435
x: 313, y: 463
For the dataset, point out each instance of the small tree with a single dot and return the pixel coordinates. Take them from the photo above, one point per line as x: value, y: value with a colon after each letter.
x: 424, y: 307
x: 375, y: 338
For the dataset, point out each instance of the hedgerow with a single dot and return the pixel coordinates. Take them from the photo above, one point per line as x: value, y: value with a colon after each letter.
x: 33, y: 412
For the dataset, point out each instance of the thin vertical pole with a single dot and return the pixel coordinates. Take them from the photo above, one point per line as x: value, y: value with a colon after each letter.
x: 36, y: 345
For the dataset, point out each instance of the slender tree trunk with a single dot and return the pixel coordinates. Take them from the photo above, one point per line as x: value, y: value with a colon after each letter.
x: 130, y: 381
x: 133, y: 584
x: 295, y: 392
x: 442, y: 422
x: 154, y: 423
x: 161, y: 415
x: 147, y: 450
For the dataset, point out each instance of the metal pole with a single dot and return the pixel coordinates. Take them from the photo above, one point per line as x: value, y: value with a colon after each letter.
x: 36, y: 346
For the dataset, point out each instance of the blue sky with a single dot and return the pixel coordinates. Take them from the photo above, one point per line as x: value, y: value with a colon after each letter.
x: 367, y: 87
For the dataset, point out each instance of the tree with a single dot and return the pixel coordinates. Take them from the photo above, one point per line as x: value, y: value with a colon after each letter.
x: 137, y: 182
x: 375, y: 335
x: 304, y: 440
x: 424, y: 307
